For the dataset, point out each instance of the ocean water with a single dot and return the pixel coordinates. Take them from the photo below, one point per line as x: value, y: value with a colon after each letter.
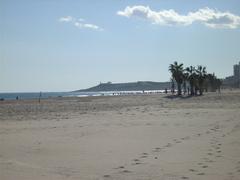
x: 36, y: 95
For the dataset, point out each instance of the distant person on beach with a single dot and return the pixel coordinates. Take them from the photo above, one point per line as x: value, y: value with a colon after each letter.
x: 17, y: 98
x: 165, y: 90
x: 40, y: 95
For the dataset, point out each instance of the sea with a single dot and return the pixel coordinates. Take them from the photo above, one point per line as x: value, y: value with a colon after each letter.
x: 44, y: 95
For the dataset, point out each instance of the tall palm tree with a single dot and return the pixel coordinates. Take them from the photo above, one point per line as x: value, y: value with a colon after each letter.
x: 209, y: 82
x: 185, y: 79
x: 191, y: 78
x: 177, y: 74
x: 213, y: 82
x: 218, y: 84
x: 201, y: 76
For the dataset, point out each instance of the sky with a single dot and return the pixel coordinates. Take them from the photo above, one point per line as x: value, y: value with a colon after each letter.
x: 65, y: 45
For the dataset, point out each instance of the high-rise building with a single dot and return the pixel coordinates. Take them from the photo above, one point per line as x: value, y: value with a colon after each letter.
x: 236, y: 74
x: 233, y: 81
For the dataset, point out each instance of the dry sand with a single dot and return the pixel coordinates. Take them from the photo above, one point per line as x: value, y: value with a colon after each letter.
x: 141, y: 137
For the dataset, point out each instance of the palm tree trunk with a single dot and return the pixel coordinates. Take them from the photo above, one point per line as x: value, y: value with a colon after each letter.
x: 196, y: 91
x: 192, y: 89
x: 179, y: 89
x: 184, y: 87
x: 200, y: 91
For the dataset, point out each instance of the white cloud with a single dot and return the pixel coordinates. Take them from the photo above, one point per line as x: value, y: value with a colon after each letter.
x: 81, y: 20
x: 66, y: 19
x: 79, y: 23
x: 91, y: 26
x: 209, y: 17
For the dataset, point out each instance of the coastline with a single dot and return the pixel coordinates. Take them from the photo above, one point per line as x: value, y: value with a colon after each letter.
x: 46, y: 95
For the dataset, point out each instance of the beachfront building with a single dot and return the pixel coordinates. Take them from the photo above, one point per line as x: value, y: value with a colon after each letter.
x: 236, y: 74
x: 233, y: 81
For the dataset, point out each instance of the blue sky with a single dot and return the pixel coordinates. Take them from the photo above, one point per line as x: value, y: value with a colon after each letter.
x: 64, y: 45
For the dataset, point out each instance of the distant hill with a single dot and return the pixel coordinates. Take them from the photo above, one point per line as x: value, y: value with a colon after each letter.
x: 131, y: 86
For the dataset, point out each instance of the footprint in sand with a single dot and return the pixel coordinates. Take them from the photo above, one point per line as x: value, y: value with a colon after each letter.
x: 168, y: 145
x: 177, y: 141
x: 144, y: 155
x: 126, y: 171
x: 136, y: 163
x: 192, y: 170
x: 184, y: 177
x: 136, y: 160
x: 157, y: 149
x: 120, y: 167
x: 209, y: 160
x: 204, y: 166
x: 200, y: 174
x: 106, y: 176
x: 185, y: 138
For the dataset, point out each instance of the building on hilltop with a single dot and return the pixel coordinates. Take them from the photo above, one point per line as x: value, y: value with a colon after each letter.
x: 233, y: 81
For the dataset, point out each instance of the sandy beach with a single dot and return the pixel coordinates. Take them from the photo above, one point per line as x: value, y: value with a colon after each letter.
x: 135, y: 137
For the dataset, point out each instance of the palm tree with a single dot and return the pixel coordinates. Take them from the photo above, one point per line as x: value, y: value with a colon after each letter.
x: 191, y: 78
x: 218, y: 84
x: 213, y: 82
x: 201, y: 76
x: 208, y: 83
x: 185, y: 79
x: 177, y: 74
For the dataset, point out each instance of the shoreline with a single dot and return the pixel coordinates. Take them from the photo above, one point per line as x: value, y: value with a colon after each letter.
x: 52, y: 95
x: 47, y: 95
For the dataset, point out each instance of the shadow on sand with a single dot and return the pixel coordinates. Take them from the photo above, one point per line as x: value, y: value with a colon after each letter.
x: 180, y: 97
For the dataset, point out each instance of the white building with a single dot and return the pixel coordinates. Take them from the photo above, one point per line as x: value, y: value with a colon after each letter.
x: 233, y: 81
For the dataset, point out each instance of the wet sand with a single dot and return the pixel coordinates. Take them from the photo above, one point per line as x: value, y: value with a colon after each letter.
x: 135, y: 137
